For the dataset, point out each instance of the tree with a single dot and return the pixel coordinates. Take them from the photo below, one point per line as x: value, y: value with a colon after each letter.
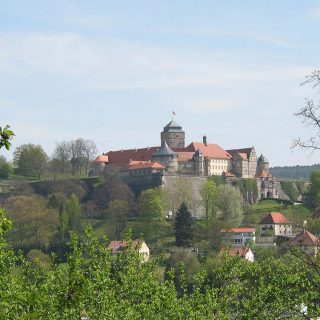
x: 151, y: 211
x: 310, y: 116
x: 117, y: 214
x: 313, y: 195
x: 35, y: 224
x: 177, y: 192
x: 5, y: 136
x: 73, y: 211
x: 229, y: 204
x: 30, y: 159
x: 209, y: 200
x: 5, y: 168
x: 183, y: 226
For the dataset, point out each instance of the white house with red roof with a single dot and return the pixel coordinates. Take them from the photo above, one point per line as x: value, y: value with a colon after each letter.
x: 273, y: 225
x: 136, y: 245
x: 238, y: 237
x: 307, y: 242
x: 243, y: 252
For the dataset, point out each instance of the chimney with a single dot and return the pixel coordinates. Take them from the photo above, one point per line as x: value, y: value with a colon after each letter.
x: 204, y: 139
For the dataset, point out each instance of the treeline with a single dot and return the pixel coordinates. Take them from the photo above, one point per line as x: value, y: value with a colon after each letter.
x: 294, y: 172
x: 69, y: 159
x: 44, y: 213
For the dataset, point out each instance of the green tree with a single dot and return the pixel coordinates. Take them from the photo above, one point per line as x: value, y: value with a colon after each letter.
x: 313, y: 195
x: 35, y: 224
x: 117, y: 214
x: 73, y: 211
x: 229, y: 204
x: 290, y: 189
x: 183, y: 226
x: 5, y: 168
x: 180, y: 190
x: 151, y: 211
x: 209, y: 200
x: 5, y: 136
x: 30, y: 159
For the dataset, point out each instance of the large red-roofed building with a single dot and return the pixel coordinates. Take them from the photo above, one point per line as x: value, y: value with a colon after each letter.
x: 197, y: 158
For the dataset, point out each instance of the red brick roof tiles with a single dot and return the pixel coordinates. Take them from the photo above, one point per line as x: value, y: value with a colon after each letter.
x: 102, y: 158
x: 146, y: 165
x: 209, y: 150
x: 305, y: 238
x: 275, y: 218
x: 125, y: 156
x: 241, y: 252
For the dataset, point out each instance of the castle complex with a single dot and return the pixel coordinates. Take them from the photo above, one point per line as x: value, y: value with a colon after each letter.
x: 196, y: 159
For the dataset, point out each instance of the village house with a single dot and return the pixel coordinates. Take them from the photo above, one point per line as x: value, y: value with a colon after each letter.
x: 243, y: 252
x: 307, y: 242
x: 136, y: 245
x: 238, y: 237
x: 274, y: 225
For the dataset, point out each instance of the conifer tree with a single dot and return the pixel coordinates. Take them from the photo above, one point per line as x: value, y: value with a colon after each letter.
x: 183, y: 226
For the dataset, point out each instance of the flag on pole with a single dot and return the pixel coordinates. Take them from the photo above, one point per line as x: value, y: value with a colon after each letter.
x: 173, y: 113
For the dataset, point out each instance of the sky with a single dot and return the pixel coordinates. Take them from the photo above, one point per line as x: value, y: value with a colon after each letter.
x: 113, y: 72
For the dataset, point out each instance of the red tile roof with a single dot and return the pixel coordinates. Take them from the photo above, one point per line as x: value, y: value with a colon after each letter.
x: 185, y: 156
x: 244, y: 152
x: 264, y: 174
x: 275, y: 218
x: 145, y: 165
x: 238, y: 230
x: 102, y: 158
x: 305, y: 238
x: 241, y: 252
x: 124, y: 156
x: 209, y: 150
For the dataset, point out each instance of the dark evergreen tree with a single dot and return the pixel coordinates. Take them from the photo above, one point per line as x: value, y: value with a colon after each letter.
x: 183, y: 226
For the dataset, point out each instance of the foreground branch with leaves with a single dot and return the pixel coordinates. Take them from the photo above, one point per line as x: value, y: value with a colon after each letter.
x: 96, y: 285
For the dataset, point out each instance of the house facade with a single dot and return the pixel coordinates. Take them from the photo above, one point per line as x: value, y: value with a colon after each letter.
x: 238, y: 237
x: 273, y: 225
x: 307, y: 242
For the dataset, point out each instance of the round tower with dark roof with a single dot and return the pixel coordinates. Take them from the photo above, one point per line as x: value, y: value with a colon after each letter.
x: 167, y: 157
x: 174, y: 135
x: 263, y: 164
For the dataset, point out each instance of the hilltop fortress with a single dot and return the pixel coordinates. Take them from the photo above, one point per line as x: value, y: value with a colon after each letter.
x: 198, y: 159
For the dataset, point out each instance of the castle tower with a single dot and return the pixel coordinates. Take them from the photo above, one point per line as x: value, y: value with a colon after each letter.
x: 198, y: 162
x: 263, y: 164
x: 174, y: 135
x: 167, y: 157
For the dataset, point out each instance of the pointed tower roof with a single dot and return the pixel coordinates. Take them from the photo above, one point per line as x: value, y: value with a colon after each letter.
x: 164, y: 150
x: 172, y: 126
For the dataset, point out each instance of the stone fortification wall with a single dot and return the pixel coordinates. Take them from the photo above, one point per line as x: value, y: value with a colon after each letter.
x: 143, y: 182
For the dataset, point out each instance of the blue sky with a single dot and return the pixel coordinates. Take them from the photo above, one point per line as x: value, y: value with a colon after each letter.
x: 112, y: 71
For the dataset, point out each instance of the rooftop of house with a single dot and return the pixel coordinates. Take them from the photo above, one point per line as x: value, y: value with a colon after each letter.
x: 275, y: 218
x: 305, y: 238
x: 102, y: 158
x: 236, y: 251
x: 121, y: 245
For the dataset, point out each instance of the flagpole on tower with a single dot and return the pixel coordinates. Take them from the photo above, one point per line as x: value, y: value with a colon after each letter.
x: 173, y: 114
